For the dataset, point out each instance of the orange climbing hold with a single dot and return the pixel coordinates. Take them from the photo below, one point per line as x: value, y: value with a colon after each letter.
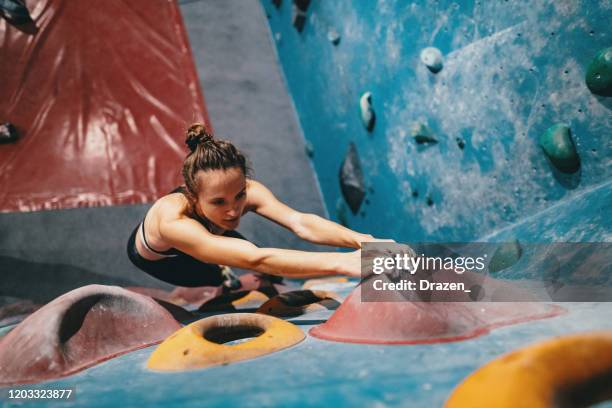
x: 564, y: 371
x: 201, y: 344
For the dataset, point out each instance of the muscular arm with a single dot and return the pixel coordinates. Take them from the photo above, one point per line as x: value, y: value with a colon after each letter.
x: 190, y: 237
x: 309, y: 227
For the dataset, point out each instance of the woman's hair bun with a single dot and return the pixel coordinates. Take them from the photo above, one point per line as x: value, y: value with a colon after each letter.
x: 197, y: 134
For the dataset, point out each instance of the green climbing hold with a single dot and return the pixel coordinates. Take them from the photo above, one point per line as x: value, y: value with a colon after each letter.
x: 558, y: 145
x: 599, y: 73
x: 422, y: 134
x: 506, y: 255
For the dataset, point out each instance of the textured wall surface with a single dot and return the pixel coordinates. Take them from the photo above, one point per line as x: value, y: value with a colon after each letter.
x: 512, y: 69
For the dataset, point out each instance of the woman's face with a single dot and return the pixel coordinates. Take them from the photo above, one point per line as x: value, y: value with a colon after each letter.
x: 222, y: 196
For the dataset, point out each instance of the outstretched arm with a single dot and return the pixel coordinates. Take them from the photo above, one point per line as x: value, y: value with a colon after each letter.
x: 189, y: 236
x: 309, y: 227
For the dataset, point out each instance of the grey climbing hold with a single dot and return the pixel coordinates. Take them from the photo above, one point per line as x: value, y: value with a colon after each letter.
x: 300, y: 8
x: 422, y: 134
x: 8, y: 133
x: 368, y: 116
x: 599, y: 73
x: 506, y: 255
x: 559, y: 147
x: 432, y: 58
x: 333, y: 36
x: 351, y: 179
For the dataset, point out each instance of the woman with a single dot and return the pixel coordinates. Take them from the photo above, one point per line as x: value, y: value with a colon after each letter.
x: 188, y: 233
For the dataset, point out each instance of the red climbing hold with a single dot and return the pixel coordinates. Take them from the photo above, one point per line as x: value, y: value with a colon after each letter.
x: 79, y: 329
x: 404, y: 322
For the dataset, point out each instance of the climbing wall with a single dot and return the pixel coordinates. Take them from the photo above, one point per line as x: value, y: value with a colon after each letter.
x: 449, y: 121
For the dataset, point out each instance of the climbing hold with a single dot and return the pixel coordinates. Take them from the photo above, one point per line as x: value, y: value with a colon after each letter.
x: 233, y: 301
x: 201, y: 344
x: 599, y: 73
x: 15, y: 12
x: 430, y: 201
x: 559, y: 147
x: 506, y: 255
x: 333, y: 36
x: 409, y: 322
x: 309, y: 149
x: 299, y: 302
x: 277, y: 3
x: 423, y: 134
x: 368, y: 117
x: 8, y: 133
x: 432, y: 58
x: 79, y: 329
x: 568, y: 371
x: 351, y: 179
x: 460, y: 143
x: 300, y: 7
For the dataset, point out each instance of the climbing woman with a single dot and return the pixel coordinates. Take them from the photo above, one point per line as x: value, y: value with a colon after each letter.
x: 186, y: 235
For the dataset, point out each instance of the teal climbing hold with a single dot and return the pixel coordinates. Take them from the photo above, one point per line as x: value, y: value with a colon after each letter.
x: 506, y: 255
x: 599, y: 73
x: 559, y: 147
x: 368, y: 117
x: 422, y: 134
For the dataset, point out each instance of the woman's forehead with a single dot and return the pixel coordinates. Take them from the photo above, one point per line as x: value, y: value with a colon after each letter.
x: 220, y: 182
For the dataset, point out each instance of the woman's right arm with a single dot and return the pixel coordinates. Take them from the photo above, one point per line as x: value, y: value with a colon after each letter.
x: 189, y: 236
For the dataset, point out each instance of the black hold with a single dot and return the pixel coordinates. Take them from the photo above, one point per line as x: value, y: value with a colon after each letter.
x: 363, y: 214
x: 422, y: 134
x: 15, y: 11
x: 351, y: 179
x: 430, y: 201
x: 277, y: 3
x: 415, y: 193
x: 8, y: 133
x: 300, y: 7
x: 460, y: 143
x: 367, y: 202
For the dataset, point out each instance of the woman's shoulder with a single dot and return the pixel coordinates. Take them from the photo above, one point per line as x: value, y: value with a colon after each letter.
x: 173, y: 205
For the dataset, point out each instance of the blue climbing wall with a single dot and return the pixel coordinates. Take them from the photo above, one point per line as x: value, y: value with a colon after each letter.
x: 512, y: 69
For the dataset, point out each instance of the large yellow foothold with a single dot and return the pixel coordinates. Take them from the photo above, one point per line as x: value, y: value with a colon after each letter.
x: 200, y: 344
x: 564, y: 371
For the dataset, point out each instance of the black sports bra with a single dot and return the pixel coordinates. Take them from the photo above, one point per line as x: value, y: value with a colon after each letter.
x: 171, y: 251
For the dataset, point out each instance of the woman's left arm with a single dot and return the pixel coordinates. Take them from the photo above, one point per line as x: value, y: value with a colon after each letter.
x: 309, y: 227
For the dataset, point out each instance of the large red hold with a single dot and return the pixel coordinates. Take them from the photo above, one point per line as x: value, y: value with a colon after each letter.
x: 101, y: 93
x: 406, y: 322
x: 79, y: 329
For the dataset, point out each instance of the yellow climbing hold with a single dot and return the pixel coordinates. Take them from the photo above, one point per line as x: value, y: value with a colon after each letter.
x: 201, y: 344
x: 564, y: 371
